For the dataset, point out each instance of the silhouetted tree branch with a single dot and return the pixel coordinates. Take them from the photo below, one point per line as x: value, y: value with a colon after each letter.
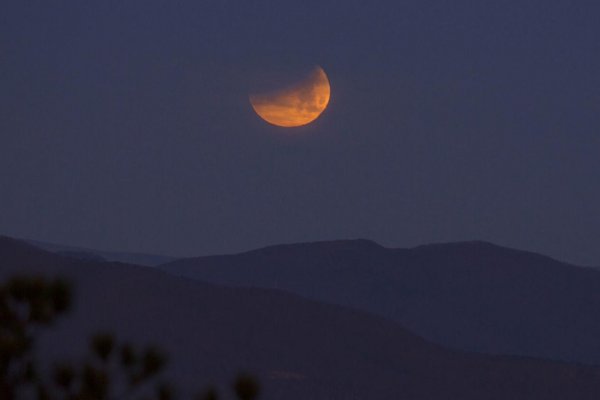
x: 112, y: 370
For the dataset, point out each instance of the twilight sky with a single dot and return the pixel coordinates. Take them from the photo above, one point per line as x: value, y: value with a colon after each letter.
x: 125, y: 125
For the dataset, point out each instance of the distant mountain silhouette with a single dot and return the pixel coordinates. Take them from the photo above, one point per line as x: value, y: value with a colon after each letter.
x: 150, y: 260
x: 473, y: 296
x: 301, y: 349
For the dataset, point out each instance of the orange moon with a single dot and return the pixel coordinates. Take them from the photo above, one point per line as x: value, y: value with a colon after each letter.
x: 296, y: 105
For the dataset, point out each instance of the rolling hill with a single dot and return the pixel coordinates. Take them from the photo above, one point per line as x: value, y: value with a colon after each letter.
x: 472, y: 296
x: 300, y: 348
x: 149, y: 260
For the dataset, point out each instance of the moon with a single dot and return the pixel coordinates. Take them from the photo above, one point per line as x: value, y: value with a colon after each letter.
x: 297, y: 105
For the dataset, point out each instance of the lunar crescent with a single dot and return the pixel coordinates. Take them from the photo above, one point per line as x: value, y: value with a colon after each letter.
x: 296, y: 105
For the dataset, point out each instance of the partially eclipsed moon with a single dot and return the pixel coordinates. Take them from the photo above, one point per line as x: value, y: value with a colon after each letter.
x: 297, y: 105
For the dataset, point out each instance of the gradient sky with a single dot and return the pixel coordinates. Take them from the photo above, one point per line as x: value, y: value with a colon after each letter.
x: 126, y: 125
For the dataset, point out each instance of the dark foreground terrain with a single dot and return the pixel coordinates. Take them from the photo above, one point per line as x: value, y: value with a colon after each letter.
x: 301, y: 349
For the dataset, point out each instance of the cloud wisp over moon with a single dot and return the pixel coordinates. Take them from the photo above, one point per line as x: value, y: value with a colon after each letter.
x: 296, y: 105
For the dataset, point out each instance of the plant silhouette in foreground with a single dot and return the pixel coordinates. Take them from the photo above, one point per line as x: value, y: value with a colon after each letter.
x: 111, y: 370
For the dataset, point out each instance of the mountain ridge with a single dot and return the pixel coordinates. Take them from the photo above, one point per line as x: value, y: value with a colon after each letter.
x: 150, y: 260
x: 299, y: 348
x: 366, y: 243
x: 474, y: 296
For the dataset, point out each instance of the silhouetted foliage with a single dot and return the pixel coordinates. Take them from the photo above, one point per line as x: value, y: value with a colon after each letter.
x: 246, y: 387
x: 112, y: 370
x: 26, y: 305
